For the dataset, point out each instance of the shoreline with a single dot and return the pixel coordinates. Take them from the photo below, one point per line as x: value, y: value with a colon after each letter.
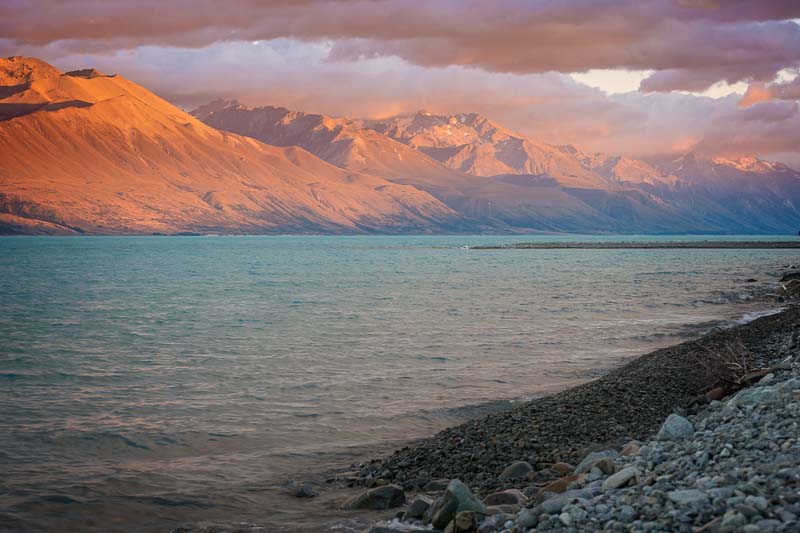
x: 629, y: 403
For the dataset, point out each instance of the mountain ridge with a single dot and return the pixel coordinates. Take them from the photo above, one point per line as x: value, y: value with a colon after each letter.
x: 127, y: 161
x: 86, y: 152
x: 618, y: 193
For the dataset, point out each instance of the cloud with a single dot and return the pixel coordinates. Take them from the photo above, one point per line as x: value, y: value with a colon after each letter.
x: 770, y: 128
x: 765, y: 92
x: 510, y: 60
x: 553, y: 107
x: 690, y: 44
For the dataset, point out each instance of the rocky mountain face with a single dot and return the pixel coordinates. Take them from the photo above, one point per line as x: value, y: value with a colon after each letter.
x: 84, y: 152
x: 89, y: 153
x: 471, y: 143
x: 487, y: 203
x: 505, y: 181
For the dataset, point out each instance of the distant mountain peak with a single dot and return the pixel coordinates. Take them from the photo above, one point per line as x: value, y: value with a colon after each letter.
x: 473, y: 143
x: 749, y: 163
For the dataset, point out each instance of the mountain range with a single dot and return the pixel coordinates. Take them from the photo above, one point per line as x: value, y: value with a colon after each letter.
x: 85, y: 152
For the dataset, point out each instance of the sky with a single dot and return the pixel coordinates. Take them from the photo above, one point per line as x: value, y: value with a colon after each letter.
x: 634, y: 77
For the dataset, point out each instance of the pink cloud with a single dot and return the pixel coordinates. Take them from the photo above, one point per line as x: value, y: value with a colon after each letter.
x: 690, y: 43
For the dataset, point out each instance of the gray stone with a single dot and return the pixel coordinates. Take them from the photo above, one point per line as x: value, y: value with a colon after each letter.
x: 766, y: 379
x: 755, y: 395
x: 759, y: 502
x: 627, y: 514
x: 303, y: 490
x: 379, y: 498
x: 528, y: 518
x: 556, y: 503
x: 731, y: 521
x: 597, y: 459
x: 416, y: 511
x: 768, y: 524
x: 492, y: 523
x: 516, y: 470
x: 620, y: 479
x: 457, y: 498
x: 675, y: 427
x: 687, y: 497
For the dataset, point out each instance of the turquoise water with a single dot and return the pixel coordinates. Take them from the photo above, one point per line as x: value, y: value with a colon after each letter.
x: 149, y: 382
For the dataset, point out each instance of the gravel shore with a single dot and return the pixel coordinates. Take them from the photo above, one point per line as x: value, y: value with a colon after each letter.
x: 628, y: 403
x: 696, y: 245
x: 640, y: 449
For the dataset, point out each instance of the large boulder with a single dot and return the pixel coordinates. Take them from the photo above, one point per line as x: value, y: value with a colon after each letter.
x: 378, y: 499
x: 457, y: 498
x: 675, y: 427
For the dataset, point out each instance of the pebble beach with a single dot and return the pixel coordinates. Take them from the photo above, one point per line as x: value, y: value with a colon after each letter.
x: 671, y: 441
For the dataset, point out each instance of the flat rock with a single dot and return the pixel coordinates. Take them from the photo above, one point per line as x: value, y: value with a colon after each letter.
x: 556, y: 503
x: 620, y: 479
x: 436, y: 485
x: 511, y: 496
x: 392, y: 528
x: 492, y: 510
x: 563, y: 468
x: 687, y: 497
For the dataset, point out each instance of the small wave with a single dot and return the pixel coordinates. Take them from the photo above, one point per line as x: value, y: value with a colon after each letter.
x: 58, y: 498
x: 169, y: 502
x: 432, y: 358
x: 746, y: 318
x: 755, y: 315
x: 463, y: 412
